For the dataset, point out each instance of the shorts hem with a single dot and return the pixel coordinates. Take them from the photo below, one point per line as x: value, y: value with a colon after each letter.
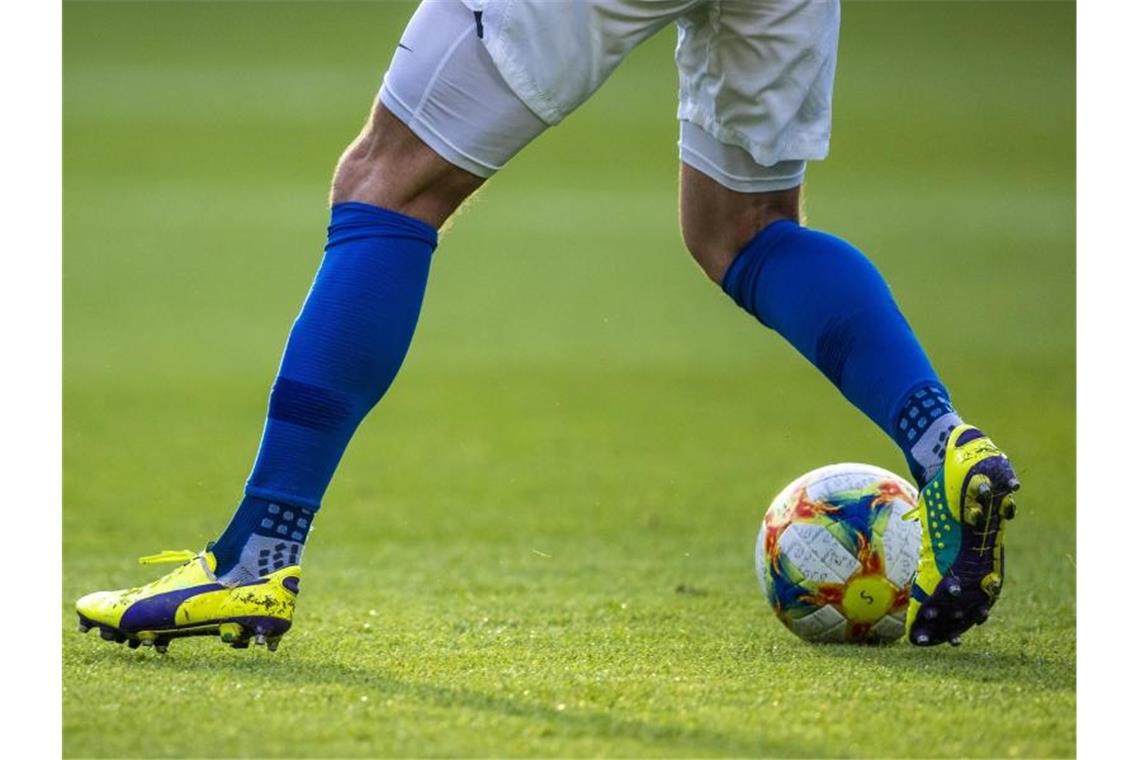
x: 797, y: 148
x: 705, y: 166
x: 733, y: 167
x: 436, y: 141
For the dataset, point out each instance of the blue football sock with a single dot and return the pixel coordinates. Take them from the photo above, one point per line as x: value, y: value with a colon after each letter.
x: 828, y: 300
x: 343, y: 352
x: 262, y: 537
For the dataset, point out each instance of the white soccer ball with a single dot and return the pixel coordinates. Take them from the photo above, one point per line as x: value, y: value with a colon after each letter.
x: 835, y: 557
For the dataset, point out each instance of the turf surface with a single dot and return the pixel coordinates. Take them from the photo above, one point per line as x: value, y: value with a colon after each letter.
x: 541, y: 541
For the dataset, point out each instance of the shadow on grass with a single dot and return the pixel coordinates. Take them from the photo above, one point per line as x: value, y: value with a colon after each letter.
x: 572, y: 721
x: 1037, y: 671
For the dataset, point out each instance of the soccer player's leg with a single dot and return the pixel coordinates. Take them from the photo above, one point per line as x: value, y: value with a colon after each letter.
x: 390, y: 193
x: 745, y: 140
x: 406, y: 173
x: 827, y: 299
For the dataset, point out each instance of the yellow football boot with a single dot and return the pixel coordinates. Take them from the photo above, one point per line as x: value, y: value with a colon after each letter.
x: 191, y: 601
x: 961, y: 561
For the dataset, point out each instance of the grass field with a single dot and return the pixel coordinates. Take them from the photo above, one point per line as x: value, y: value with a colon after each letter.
x: 541, y: 541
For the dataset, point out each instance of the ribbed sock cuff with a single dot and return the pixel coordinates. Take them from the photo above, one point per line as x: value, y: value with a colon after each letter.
x: 353, y: 220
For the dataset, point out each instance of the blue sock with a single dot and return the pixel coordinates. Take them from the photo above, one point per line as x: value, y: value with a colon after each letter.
x: 262, y: 537
x: 343, y: 352
x: 828, y: 300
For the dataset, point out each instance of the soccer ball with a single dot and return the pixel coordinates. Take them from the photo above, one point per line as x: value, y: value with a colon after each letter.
x: 834, y: 556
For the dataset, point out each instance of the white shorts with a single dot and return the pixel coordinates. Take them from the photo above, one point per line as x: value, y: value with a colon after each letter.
x: 477, y: 80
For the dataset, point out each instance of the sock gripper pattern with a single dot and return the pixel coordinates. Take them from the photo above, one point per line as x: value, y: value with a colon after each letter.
x: 290, y: 523
x: 923, y: 407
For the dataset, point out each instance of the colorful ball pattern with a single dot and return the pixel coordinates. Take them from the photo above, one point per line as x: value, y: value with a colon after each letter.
x: 834, y: 556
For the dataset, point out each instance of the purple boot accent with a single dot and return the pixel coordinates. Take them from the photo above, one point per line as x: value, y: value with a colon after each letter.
x: 970, y: 435
x: 972, y: 584
x: 158, y: 611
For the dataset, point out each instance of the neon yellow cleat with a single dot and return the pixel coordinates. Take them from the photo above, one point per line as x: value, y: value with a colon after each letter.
x: 190, y: 601
x: 961, y: 561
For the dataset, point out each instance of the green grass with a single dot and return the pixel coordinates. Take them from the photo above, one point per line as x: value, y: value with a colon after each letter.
x: 584, y: 425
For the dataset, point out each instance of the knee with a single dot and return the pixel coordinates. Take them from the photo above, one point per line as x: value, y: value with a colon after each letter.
x: 715, y: 244
x: 716, y: 223
x: 387, y: 165
x: 713, y: 252
x: 710, y: 258
x: 380, y: 165
x: 352, y: 177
